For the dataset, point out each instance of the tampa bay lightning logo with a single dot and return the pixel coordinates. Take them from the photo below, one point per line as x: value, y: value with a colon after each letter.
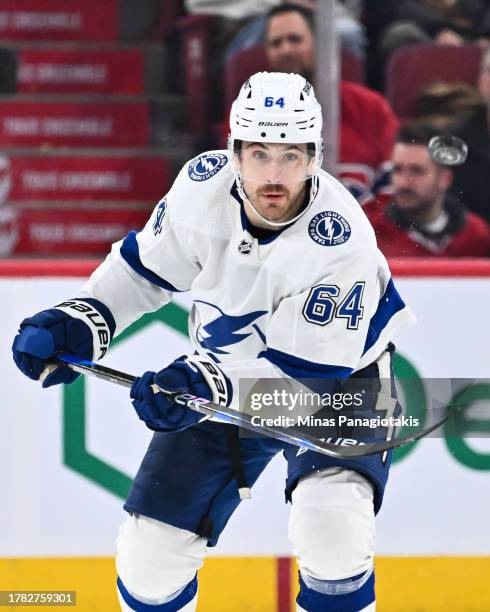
x: 223, y: 331
x: 157, y: 224
x: 328, y: 228
x: 205, y: 166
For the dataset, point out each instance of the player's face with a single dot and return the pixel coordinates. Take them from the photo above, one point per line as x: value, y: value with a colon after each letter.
x: 274, y: 177
x: 416, y: 180
x: 290, y: 44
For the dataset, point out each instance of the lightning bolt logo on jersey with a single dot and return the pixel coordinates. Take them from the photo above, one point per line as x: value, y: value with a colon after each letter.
x: 329, y: 228
x: 206, y: 166
x: 223, y: 330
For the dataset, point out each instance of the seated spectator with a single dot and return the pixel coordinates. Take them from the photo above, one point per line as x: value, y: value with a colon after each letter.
x: 423, y: 219
x: 472, y: 179
x: 367, y: 124
x: 348, y: 25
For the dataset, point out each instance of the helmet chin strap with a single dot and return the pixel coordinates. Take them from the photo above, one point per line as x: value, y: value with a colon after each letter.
x: 245, y: 196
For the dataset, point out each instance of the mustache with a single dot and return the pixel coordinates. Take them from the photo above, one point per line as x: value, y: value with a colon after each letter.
x: 273, y: 188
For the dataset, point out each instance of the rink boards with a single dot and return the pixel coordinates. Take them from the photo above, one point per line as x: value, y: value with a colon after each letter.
x: 69, y: 455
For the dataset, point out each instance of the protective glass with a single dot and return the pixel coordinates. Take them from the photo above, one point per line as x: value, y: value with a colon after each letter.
x: 275, y: 164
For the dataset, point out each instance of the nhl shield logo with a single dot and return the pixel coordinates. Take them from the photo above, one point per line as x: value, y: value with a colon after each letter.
x: 205, y: 166
x: 245, y: 247
x: 328, y: 228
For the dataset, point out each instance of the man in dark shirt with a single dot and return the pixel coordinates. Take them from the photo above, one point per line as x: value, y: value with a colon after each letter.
x: 421, y: 219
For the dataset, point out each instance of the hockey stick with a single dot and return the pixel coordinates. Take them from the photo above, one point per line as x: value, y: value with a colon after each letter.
x: 242, y: 419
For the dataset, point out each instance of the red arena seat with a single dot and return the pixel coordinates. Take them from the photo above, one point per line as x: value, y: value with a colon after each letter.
x: 414, y: 66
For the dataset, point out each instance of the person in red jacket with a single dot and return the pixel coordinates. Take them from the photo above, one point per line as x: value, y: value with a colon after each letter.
x: 421, y: 219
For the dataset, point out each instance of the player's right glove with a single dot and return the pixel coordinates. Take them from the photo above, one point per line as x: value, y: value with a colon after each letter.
x: 196, y: 375
x: 79, y: 327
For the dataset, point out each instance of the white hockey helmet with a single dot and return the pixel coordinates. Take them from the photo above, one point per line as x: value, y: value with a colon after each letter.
x: 276, y: 107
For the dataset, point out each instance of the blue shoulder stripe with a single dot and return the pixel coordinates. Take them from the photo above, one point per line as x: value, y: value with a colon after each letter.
x: 301, y: 368
x: 131, y: 254
x: 389, y: 304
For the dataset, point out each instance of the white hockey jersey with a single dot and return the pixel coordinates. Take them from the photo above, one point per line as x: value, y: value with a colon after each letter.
x: 313, y: 300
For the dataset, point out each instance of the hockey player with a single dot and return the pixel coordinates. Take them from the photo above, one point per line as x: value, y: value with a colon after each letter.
x: 287, y: 282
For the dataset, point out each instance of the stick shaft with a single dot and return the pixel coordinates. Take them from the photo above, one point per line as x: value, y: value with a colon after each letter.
x: 202, y: 406
x: 242, y: 419
x: 94, y: 369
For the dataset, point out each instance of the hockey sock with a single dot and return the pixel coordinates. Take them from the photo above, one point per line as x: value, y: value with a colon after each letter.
x: 355, y: 594
x: 184, y: 601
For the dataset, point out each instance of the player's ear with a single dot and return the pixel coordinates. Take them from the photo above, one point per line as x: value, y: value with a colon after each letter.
x: 313, y: 164
x: 235, y: 147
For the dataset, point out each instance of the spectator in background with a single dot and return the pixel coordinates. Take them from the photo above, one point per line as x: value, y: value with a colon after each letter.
x: 423, y: 219
x: 349, y: 28
x: 368, y: 125
x: 472, y: 179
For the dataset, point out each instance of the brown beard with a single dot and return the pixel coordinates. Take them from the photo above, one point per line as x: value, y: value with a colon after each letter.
x: 418, y: 211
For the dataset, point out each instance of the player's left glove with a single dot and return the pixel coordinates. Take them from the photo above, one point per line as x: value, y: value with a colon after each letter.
x: 82, y: 327
x: 194, y: 375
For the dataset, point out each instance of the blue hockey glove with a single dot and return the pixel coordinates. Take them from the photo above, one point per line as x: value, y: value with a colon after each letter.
x: 195, y: 375
x: 80, y: 327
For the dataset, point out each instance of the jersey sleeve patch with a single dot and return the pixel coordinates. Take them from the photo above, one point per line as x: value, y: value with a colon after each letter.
x: 206, y: 166
x: 131, y: 255
x: 329, y: 228
x: 160, y: 214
